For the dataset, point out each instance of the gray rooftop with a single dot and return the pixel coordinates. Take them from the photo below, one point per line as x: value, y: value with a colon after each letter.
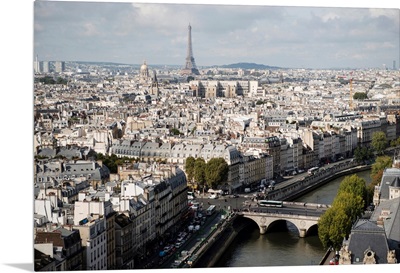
x: 389, y: 176
x: 392, y: 221
x: 367, y: 235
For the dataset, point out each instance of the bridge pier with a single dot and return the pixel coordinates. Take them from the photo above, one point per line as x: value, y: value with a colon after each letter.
x: 302, y: 232
x: 263, y: 229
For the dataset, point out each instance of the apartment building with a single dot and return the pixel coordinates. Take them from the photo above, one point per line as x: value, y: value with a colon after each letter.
x: 155, y: 198
x: 44, y: 262
x: 229, y: 89
x: 62, y: 243
x: 124, y: 246
x: 274, y: 149
x: 366, y: 128
x: 92, y: 230
x: 255, y: 167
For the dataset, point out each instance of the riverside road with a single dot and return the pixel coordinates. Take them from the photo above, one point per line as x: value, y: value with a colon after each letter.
x: 246, y: 202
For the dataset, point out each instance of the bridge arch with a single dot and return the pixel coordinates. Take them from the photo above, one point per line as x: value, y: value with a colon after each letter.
x: 304, y: 224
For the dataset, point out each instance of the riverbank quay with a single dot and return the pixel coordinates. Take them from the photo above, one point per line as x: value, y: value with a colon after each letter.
x: 192, y: 253
x: 302, y: 186
x: 181, y: 255
x: 213, y: 249
x: 215, y: 246
x: 329, y: 254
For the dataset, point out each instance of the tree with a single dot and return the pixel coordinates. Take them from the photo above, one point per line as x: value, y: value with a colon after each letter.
x: 353, y: 184
x: 216, y: 172
x: 324, y: 224
x: 112, y: 161
x: 61, y: 81
x: 175, y: 132
x: 335, y: 224
x: 199, y: 171
x: 99, y: 156
x: 189, y: 167
x: 340, y: 227
x: 362, y: 153
x: 380, y: 164
x: 352, y: 204
x: 395, y: 142
x: 379, y: 142
x: 360, y: 96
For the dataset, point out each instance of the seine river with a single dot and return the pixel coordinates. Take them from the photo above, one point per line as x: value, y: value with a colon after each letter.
x: 283, y: 248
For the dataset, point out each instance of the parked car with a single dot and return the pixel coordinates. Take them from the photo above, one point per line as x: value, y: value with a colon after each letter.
x: 213, y: 196
x: 167, y: 249
x: 178, y: 244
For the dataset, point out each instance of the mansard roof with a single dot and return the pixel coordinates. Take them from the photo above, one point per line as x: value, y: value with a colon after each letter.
x: 392, y: 220
x: 364, y: 225
x: 122, y: 220
x: 48, y: 152
x: 389, y: 175
x: 367, y: 235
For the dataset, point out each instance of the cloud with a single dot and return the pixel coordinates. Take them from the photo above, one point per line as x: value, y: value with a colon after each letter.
x: 220, y: 34
x: 90, y: 29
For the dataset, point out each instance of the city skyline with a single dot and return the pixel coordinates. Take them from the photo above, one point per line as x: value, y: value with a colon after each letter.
x: 18, y: 23
x: 283, y: 36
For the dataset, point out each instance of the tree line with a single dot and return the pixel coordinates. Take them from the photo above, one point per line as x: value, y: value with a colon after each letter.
x: 379, y: 143
x: 336, y: 223
x: 349, y: 204
x: 210, y: 174
x: 113, y: 161
x: 51, y: 80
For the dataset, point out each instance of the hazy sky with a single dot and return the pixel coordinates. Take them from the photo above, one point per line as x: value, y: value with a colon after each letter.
x: 285, y: 36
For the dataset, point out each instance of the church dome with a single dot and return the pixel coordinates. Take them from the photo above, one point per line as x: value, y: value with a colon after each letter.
x: 143, y: 67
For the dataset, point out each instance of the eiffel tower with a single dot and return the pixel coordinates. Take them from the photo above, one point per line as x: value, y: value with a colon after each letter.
x: 190, y: 66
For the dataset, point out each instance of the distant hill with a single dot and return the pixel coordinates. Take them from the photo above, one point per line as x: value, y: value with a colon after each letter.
x: 248, y: 66
x: 100, y: 63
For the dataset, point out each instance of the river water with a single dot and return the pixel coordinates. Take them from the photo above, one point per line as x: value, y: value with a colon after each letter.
x: 283, y: 248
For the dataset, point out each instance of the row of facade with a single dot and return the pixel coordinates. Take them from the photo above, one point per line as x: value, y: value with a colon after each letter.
x: 228, y: 89
x: 255, y: 158
x: 115, y: 226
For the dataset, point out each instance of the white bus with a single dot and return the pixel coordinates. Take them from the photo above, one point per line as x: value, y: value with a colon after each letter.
x: 210, y: 210
x: 313, y: 170
x: 270, y: 203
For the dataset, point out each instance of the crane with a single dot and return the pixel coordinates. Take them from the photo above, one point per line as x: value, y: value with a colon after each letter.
x: 349, y: 79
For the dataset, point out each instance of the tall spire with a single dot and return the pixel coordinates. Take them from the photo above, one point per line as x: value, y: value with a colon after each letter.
x: 190, y: 66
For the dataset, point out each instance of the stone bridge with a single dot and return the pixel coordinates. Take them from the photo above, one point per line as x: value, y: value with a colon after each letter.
x: 265, y: 219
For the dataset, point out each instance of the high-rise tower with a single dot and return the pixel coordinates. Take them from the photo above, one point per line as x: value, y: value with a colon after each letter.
x: 190, y: 66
